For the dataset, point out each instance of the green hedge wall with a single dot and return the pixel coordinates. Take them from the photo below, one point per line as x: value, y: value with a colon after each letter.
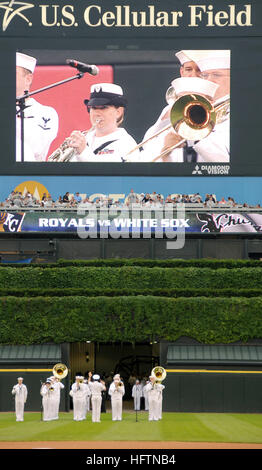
x: 131, y: 319
x: 97, y: 292
x: 130, y: 277
x: 169, y: 263
x: 211, y: 301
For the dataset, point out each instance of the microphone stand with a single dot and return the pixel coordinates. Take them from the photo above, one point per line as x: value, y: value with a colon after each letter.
x: 20, y: 101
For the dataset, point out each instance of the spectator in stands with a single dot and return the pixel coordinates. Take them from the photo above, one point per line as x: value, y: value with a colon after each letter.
x: 210, y: 201
x: 222, y: 201
x: 196, y: 198
x: 77, y: 197
x: 132, y: 197
x: 59, y: 201
x: 66, y: 197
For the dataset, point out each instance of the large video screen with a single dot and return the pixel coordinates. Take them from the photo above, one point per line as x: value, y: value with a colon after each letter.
x: 171, y: 105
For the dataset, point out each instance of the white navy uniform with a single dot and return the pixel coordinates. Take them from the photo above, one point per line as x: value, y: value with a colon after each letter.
x: 20, y: 392
x: 145, y: 395
x: 40, y: 129
x: 154, y: 401
x: 58, y: 386
x: 79, y: 393
x: 153, y: 148
x: 47, y: 402
x: 96, y: 399
x: 137, y: 394
x: 216, y: 146
x: 109, y: 148
x: 116, y: 393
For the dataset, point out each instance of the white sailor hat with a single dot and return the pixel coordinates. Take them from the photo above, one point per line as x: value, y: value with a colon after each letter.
x: 117, y: 376
x: 106, y: 94
x: 25, y: 61
x: 218, y: 59
x: 194, y: 85
x: 20, y: 378
x: 191, y: 55
x: 96, y: 377
x: 79, y: 377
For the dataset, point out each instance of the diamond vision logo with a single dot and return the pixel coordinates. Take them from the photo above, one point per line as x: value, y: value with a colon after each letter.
x: 13, y: 9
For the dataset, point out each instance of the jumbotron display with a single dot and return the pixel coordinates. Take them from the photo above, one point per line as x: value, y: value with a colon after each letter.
x: 148, y: 97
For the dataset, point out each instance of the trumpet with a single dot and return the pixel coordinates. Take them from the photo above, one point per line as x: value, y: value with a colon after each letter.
x: 192, y: 117
x: 65, y: 153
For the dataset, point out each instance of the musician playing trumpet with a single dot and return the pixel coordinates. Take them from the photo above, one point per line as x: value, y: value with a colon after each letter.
x: 117, y: 391
x: 106, y: 141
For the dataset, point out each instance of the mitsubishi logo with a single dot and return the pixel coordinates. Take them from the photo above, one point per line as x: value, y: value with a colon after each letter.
x: 13, y: 9
x: 197, y: 171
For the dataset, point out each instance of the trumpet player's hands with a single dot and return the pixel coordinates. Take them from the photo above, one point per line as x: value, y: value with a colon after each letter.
x: 77, y: 141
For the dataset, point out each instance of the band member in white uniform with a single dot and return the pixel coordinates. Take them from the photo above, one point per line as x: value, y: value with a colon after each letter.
x: 47, y: 391
x: 137, y: 394
x: 116, y: 391
x: 58, y: 386
x: 154, y: 399
x: 106, y: 141
x: 215, y: 67
x: 79, y: 392
x: 182, y: 86
x: 40, y: 122
x: 20, y: 392
x: 153, y: 148
x: 145, y: 395
x: 96, y: 388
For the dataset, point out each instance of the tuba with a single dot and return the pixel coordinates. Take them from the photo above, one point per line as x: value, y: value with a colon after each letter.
x: 60, y: 371
x: 159, y: 373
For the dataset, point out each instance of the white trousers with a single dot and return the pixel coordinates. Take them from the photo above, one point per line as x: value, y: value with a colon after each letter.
x: 96, y: 408
x: 153, y: 408
x: 79, y: 405
x: 116, y: 404
x: 19, y: 409
x: 146, y: 402
x: 137, y: 403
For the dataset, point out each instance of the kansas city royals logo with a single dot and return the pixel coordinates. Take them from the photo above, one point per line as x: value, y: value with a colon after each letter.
x: 11, y: 222
x: 12, y: 9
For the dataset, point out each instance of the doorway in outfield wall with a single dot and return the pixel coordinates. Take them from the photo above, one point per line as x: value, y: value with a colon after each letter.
x: 107, y: 359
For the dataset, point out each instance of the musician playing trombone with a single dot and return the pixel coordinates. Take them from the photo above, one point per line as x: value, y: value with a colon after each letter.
x: 106, y: 141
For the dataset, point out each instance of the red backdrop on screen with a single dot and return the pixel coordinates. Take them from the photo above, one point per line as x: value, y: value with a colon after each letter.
x: 67, y: 99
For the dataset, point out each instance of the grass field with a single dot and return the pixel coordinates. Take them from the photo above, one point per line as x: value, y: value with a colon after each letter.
x: 184, y: 427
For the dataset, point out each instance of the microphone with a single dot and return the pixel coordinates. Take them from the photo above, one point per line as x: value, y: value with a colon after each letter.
x: 92, y: 69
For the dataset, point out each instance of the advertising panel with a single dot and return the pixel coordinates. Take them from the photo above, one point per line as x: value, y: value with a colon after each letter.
x: 116, y: 223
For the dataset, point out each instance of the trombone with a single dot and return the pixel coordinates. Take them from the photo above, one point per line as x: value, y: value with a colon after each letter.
x: 192, y: 117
